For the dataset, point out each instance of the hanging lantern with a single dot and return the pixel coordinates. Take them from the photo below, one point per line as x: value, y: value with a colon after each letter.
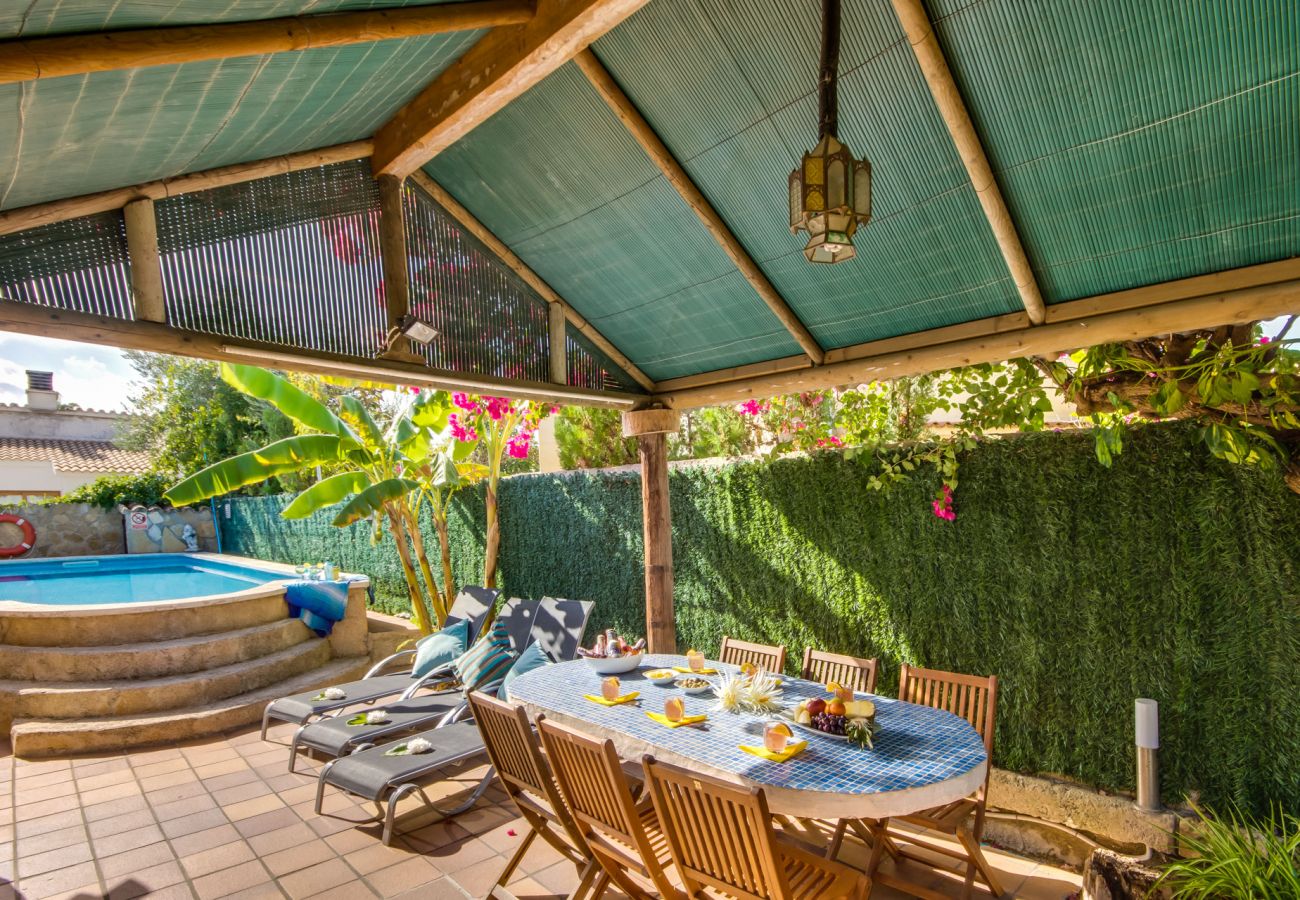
x: 830, y: 192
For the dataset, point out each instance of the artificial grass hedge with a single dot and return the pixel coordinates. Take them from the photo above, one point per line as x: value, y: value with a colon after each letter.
x: 1171, y: 575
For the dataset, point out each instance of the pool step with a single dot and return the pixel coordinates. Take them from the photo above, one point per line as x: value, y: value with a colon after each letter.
x: 77, y: 700
x: 152, y: 659
x: 35, y: 738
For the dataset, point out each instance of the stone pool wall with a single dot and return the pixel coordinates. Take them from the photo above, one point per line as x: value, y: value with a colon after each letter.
x: 80, y: 529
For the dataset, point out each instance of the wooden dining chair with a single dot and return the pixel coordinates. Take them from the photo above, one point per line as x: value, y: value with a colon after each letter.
x: 513, y: 748
x: 622, y: 833
x: 975, y: 699
x: 849, y: 671
x: 720, y: 836
x: 765, y: 656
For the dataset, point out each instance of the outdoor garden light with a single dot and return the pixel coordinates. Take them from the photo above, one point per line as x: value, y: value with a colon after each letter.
x: 416, y: 329
x: 830, y: 192
x: 1146, y: 721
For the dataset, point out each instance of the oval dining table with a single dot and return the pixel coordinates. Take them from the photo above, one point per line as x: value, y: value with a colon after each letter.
x: 922, y: 757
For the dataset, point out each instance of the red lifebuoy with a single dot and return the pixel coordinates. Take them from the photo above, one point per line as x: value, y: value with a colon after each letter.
x: 29, y: 535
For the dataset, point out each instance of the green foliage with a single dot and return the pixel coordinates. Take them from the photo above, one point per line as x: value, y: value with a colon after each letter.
x: 1170, y: 575
x: 590, y: 437
x: 1238, y: 856
x: 292, y: 454
x: 712, y: 432
x: 110, y: 491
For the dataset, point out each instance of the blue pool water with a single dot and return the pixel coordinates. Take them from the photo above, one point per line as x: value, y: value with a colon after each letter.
x: 123, y: 579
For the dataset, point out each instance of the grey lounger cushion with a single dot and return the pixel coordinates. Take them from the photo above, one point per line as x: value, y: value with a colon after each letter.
x: 301, y: 707
x: 371, y: 773
x: 560, y: 626
x: 336, y: 737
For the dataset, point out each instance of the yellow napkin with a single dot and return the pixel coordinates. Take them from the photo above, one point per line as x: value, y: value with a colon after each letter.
x: 790, y: 750
x: 626, y: 698
x: 688, y: 671
x: 684, y: 720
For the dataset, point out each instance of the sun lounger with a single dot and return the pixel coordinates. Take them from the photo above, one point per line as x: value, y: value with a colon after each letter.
x: 472, y: 604
x: 372, y: 773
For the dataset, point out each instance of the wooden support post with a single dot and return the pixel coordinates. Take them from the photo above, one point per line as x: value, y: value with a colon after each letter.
x: 146, y: 266
x: 392, y: 251
x: 559, y: 344
x: 651, y: 428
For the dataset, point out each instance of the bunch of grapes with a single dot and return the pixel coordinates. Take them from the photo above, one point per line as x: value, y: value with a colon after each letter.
x: 828, y: 723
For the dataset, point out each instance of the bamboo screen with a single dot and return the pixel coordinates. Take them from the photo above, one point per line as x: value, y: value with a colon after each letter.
x: 80, y: 265
x: 292, y: 259
x: 590, y: 367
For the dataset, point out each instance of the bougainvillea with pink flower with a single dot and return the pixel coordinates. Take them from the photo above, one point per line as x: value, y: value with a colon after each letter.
x: 942, y: 505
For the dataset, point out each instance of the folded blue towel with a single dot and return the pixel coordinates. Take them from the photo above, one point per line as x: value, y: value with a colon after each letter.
x: 318, y: 603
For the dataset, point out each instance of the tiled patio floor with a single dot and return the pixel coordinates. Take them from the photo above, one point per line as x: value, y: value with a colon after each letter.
x: 224, y: 818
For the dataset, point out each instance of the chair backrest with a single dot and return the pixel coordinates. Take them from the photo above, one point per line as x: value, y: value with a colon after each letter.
x: 719, y: 835
x: 519, y: 616
x: 473, y: 605
x: 513, y: 747
x: 849, y: 671
x: 560, y: 626
x: 973, y: 697
x: 764, y: 656
x: 596, y: 792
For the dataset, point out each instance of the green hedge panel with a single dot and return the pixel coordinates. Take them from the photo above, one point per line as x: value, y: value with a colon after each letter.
x: 1171, y: 575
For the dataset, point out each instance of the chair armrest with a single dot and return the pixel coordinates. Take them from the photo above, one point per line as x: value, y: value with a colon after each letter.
x: 444, y: 671
x: 379, y: 666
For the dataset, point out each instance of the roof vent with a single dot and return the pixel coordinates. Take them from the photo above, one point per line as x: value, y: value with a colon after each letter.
x: 40, y: 381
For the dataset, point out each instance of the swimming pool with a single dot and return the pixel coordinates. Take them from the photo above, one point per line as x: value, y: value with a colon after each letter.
x: 112, y: 580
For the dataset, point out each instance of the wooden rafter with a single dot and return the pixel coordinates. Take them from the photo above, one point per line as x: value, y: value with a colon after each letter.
x: 934, y: 66
x: 44, y: 321
x: 38, y: 214
x: 498, y: 248
x: 1207, y: 301
x: 28, y: 59
x: 500, y: 67
x: 672, y: 170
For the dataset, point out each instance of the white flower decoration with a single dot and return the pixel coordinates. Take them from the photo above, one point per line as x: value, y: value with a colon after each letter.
x: 377, y: 717
x: 334, y: 694
x: 418, y: 745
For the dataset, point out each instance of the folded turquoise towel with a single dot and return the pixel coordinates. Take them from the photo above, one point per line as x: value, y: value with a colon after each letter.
x: 318, y: 603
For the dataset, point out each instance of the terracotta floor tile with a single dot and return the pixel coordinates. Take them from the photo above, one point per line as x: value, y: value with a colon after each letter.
x: 353, y: 890
x: 232, y: 779
x: 85, y: 892
x: 190, y: 844
x: 316, y: 879
x: 276, y: 818
x: 32, y: 864
x: 561, y: 878
x: 180, y: 789
x: 328, y: 825
x: 266, y: 891
x: 113, y: 808
x: 26, y: 793
x: 214, y: 859
x: 228, y: 881
x: 297, y: 795
x: 53, y: 840
x: 438, y: 834
x: 59, y: 881
x: 133, y: 860
x: 282, y: 838
x: 107, y: 779
x: 162, y: 767
x: 442, y: 889
x: 112, y: 792
x: 209, y: 818
x: 64, y: 775
x: 187, y: 806
x: 220, y: 768
x: 403, y: 877
x: 376, y: 856
x: 459, y: 855
x: 527, y: 888
x: 56, y: 822
x: 246, y: 809
x: 479, y: 878
x: 347, y: 841
x: 146, y: 881
x: 295, y: 857
x: 41, y: 808
x: 125, y: 822
x: 122, y: 841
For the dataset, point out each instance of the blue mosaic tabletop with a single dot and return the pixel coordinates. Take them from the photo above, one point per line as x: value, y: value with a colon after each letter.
x: 922, y: 757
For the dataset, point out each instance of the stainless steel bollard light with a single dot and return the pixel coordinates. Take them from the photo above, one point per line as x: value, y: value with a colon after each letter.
x: 1147, y: 727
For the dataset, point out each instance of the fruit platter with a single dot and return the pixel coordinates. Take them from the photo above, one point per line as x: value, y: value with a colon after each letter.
x: 838, y: 716
x: 612, y: 655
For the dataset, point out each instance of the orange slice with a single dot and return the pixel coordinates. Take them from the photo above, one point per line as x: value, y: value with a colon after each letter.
x: 748, y: 668
x: 782, y: 728
x: 674, y: 709
x: 609, y: 688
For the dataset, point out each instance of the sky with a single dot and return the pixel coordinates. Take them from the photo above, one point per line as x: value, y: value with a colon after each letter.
x: 97, y: 377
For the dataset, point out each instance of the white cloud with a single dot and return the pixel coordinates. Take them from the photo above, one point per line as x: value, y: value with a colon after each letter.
x: 92, y: 377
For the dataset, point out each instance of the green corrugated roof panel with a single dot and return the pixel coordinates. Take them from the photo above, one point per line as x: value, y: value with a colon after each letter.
x: 913, y: 271
x: 1136, y: 141
x: 40, y: 17
x: 80, y: 134
x: 557, y: 177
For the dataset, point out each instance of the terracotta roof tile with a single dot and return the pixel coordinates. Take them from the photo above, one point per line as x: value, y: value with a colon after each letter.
x: 75, y: 456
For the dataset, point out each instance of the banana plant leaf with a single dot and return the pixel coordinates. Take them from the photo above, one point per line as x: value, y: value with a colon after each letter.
x: 328, y: 492
x: 355, y: 412
x: 432, y: 410
x: 296, y: 404
x: 372, y: 500
x: 291, y: 454
x: 415, y: 443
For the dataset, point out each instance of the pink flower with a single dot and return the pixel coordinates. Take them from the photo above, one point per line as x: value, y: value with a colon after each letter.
x: 1265, y: 339
x: 751, y: 408
x: 464, y: 402
x: 943, y: 506
x: 461, y: 432
x: 498, y: 407
x: 517, y: 446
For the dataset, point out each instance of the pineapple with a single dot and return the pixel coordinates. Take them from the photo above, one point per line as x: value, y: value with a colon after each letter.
x: 861, y: 732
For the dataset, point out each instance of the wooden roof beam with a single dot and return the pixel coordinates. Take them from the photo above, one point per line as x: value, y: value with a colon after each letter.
x: 672, y: 170
x: 1230, y: 297
x: 504, y: 64
x: 44, y: 321
x: 916, y: 25
x: 38, y: 214
x: 498, y: 248
x: 29, y: 59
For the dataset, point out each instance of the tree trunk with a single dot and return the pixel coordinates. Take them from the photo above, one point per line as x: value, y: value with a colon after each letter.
x: 444, y: 547
x: 493, y: 542
x: 408, y: 570
x: 417, y: 541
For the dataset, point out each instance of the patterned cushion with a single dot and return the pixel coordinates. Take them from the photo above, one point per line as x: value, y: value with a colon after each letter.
x: 489, y: 659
